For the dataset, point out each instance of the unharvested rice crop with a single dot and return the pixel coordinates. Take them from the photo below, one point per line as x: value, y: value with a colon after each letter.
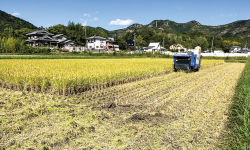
x: 72, y: 76
x: 178, y: 110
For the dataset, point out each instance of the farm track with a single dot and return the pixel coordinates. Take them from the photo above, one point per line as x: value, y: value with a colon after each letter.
x: 176, y: 111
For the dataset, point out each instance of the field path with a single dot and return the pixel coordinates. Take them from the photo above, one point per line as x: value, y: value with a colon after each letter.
x: 179, y: 110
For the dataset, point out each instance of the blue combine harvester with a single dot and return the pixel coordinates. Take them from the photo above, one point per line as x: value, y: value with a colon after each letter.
x: 187, y: 61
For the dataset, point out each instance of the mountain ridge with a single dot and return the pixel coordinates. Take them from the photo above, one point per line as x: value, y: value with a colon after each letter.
x: 238, y: 28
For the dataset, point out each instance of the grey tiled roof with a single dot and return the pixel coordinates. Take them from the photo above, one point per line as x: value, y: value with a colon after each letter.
x: 96, y: 37
x: 43, y: 38
x: 40, y: 32
x: 59, y: 35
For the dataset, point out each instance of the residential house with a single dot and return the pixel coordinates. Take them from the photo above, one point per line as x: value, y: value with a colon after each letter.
x: 111, y: 44
x: 153, y: 47
x: 96, y: 42
x: 40, y: 38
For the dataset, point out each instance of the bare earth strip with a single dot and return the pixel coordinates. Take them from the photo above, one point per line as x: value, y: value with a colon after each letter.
x: 175, y: 111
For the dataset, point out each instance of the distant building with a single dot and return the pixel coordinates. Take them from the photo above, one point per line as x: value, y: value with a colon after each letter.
x: 235, y: 49
x: 112, y: 45
x: 41, y: 38
x: 96, y: 42
x: 153, y: 47
x: 62, y: 42
x: 130, y: 42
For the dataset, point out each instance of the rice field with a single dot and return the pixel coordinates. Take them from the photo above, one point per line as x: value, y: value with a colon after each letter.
x: 178, y: 110
x: 69, y: 76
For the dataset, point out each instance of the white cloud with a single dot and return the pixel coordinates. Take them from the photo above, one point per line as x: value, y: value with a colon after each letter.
x: 84, y: 23
x: 88, y: 15
x: 120, y: 22
x: 212, y: 17
x: 16, y: 14
x: 95, y: 19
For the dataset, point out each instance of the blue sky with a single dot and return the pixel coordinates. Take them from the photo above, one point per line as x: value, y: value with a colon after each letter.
x: 117, y: 14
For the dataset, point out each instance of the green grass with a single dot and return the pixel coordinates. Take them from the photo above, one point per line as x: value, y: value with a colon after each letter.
x: 239, y: 120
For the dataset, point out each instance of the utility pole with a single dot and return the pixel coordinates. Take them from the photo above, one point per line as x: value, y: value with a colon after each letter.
x: 135, y: 40
x: 85, y: 38
x: 163, y: 41
x: 212, y: 44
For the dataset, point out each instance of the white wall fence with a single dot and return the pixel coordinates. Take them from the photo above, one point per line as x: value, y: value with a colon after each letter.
x: 75, y: 48
x: 216, y: 54
x: 226, y: 54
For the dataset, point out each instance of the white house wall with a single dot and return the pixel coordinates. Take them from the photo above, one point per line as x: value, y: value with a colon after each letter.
x: 97, y: 44
x: 75, y: 48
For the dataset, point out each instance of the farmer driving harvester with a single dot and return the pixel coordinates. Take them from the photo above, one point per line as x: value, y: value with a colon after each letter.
x: 198, y: 48
x: 190, y: 60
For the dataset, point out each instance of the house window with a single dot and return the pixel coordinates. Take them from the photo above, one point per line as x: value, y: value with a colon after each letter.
x: 97, y: 46
x: 90, y: 46
x: 101, y: 46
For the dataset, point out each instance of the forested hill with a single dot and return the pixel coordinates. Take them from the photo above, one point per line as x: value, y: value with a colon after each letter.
x: 7, y: 20
x: 238, y: 28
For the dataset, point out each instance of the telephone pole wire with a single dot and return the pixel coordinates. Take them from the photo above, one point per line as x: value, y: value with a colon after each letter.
x: 212, y: 45
x: 135, y: 40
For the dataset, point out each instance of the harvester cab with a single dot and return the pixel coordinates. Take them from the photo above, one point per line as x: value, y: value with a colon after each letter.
x: 190, y: 60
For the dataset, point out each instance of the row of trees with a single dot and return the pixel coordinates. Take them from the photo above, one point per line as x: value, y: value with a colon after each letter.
x: 13, y: 41
x: 188, y: 39
x: 76, y: 32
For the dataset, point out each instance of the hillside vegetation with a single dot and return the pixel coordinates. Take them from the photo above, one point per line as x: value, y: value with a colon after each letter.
x: 7, y: 21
